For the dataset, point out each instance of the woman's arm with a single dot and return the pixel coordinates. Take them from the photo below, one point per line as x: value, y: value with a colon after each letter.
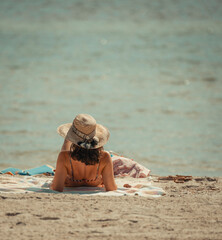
x: 60, y: 173
x: 66, y: 145
x: 108, y: 175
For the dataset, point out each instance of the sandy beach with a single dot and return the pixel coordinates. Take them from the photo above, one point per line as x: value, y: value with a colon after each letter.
x: 150, y: 71
x: 190, y: 210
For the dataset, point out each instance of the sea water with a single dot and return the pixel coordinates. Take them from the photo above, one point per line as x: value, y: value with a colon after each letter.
x: 150, y: 71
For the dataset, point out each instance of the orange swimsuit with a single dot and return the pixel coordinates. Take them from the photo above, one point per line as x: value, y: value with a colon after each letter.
x: 87, y: 181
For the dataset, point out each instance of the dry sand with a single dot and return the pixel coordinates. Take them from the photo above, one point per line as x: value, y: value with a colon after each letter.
x: 191, y: 210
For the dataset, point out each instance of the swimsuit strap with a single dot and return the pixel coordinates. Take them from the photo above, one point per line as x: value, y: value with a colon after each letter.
x: 97, y: 171
x: 71, y: 168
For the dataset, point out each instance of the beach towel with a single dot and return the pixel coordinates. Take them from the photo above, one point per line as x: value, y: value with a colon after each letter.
x: 130, y: 176
x: 45, y: 169
x: 25, y: 184
x: 122, y: 166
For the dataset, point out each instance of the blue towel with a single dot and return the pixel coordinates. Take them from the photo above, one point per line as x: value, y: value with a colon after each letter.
x: 30, y: 172
x: 12, y: 170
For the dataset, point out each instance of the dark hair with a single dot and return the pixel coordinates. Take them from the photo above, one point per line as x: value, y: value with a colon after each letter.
x: 87, y: 156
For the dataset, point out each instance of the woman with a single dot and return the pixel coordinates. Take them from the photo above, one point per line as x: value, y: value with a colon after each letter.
x: 83, y: 161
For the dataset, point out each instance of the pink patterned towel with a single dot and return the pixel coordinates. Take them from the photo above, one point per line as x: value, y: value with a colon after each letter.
x: 123, y: 166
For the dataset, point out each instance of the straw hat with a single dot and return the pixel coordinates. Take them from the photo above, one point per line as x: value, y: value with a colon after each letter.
x: 84, y: 132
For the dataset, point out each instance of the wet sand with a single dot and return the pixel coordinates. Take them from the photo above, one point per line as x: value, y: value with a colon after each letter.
x: 190, y: 210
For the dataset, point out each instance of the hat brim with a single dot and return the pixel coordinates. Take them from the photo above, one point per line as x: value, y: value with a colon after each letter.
x: 102, y: 133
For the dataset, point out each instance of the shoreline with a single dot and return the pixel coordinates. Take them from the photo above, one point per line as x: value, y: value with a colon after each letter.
x: 189, y: 210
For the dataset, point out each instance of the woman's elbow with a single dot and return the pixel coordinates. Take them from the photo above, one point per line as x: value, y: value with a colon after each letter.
x: 58, y: 189
x: 113, y: 188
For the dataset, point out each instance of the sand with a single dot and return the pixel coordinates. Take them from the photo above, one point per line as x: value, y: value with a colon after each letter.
x: 190, y: 210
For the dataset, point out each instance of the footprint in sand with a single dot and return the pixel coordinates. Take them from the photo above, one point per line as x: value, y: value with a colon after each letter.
x: 21, y: 223
x: 12, y: 214
x: 49, y: 218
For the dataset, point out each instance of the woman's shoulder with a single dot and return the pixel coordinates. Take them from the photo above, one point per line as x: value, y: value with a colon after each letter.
x: 105, y: 157
x: 64, y: 156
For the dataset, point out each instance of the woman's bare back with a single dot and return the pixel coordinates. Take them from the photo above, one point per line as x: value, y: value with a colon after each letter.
x: 80, y: 174
x: 73, y: 173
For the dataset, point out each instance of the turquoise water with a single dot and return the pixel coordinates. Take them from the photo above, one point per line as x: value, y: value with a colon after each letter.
x: 148, y: 70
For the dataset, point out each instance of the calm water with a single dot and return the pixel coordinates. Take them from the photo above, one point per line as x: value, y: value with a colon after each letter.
x: 148, y: 70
